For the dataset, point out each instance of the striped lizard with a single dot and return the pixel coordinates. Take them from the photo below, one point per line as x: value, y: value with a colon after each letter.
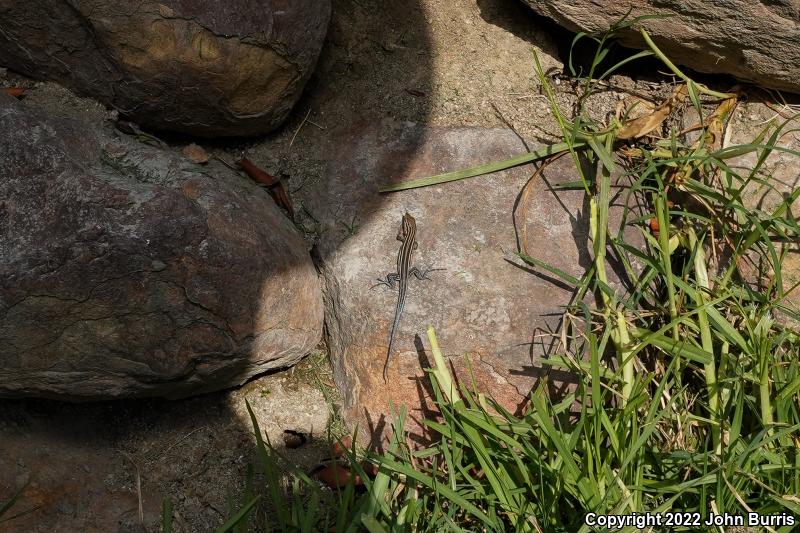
x: 407, y: 237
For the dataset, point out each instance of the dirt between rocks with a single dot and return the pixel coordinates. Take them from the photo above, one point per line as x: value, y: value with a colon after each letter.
x: 88, y: 467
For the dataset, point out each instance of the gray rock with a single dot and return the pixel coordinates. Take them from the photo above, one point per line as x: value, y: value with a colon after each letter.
x: 201, y: 67
x: 758, y: 42
x: 127, y: 270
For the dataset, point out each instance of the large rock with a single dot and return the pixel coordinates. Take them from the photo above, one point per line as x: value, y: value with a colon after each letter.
x: 201, y: 67
x: 483, y: 304
x: 758, y: 42
x: 126, y: 270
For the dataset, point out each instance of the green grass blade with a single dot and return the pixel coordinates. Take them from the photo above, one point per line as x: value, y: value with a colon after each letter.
x: 372, y: 525
x: 487, y: 168
x: 233, y: 521
x: 572, y: 280
x: 680, y: 348
x: 166, y: 515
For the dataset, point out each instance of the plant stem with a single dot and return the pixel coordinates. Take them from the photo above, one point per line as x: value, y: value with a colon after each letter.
x: 712, y: 386
x: 700, y: 87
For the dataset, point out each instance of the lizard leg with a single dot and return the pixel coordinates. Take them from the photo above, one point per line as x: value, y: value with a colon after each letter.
x: 423, y: 274
x: 390, y: 280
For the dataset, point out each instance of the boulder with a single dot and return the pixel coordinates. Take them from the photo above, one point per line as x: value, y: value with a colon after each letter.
x: 490, y: 312
x: 201, y: 67
x: 127, y: 270
x: 757, y: 42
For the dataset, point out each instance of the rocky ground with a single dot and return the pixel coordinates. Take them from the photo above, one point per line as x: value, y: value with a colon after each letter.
x: 93, y: 467
x: 439, y: 63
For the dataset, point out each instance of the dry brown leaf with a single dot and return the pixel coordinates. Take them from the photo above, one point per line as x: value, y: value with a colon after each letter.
x: 715, y: 125
x: 195, y: 153
x: 336, y: 476
x: 274, y: 186
x: 16, y: 92
x: 641, y: 126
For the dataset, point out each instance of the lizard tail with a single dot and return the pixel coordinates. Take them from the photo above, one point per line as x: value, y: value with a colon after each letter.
x: 386, y: 364
x: 389, y: 351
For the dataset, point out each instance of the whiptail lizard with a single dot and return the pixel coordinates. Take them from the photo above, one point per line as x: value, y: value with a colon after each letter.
x: 407, y: 236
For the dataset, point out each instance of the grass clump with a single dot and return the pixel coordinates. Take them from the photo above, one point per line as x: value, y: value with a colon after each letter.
x: 687, y: 397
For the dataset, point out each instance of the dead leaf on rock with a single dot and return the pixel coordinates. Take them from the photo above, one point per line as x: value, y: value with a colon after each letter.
x: 639, y: 127
x: 336, y: 475
x: 16, y: 92
x: 715, y: 124
x: 274, y: 186
x: 195, y: 153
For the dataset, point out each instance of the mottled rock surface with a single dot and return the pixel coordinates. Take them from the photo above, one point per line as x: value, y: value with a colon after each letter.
x: 755, y: 41
x: 127, y: 270
x: 205, y: 68
x: 484, y: 305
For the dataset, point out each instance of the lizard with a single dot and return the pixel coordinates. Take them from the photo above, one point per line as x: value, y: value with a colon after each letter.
x: 407, y: 237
